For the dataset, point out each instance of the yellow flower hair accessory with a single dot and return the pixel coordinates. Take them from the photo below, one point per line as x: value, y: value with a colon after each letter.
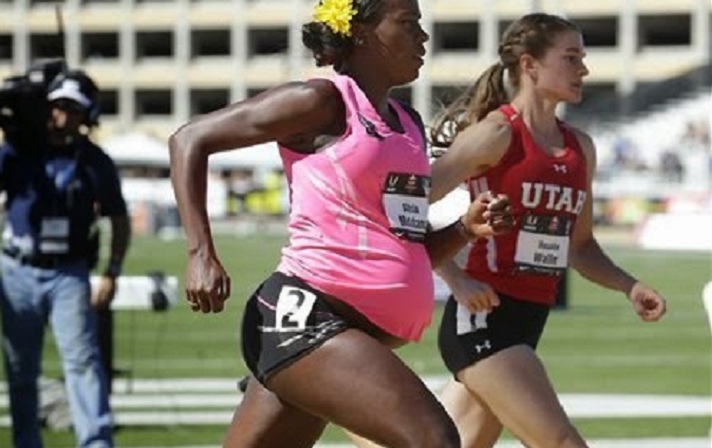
x: 336, y: 14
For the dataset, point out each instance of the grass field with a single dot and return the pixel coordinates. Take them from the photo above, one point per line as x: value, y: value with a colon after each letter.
x: 595, y: 345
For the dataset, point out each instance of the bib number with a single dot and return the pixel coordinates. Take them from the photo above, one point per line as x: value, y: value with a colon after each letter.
x: 294, y: 306
x: 405, y: 201
x: 469, y: 323
x: 543, y: 245
x: 54, y: 235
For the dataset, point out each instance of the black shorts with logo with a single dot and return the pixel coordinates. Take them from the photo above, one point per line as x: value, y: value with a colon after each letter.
x: 466, y: 338
x: 284, y: 320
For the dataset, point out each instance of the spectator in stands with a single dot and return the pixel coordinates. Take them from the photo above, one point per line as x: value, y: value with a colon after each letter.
x: 55, y: 194
x: 503, y: 294
x: 671, y: 166
x: 696, y: 136
x: 624, y: 152
x: 241, y: 183
x: 355, y: 279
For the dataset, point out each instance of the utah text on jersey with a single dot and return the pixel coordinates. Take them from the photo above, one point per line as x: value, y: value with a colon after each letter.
x: 553, y: 197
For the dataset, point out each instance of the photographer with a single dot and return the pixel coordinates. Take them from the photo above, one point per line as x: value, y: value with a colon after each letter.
x: 55, y: 194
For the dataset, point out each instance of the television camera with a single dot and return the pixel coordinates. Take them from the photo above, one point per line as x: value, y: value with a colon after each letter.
x: 23, y: 104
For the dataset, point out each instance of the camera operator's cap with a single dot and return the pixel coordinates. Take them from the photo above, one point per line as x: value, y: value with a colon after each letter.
x: 71, y: 89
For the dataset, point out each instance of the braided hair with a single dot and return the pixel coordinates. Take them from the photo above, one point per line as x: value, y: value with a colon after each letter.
x: 532, y: 34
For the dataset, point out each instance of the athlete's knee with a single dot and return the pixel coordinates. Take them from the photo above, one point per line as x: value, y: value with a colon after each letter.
x: 441, y: 435
x: 565, y: 437
x: 421, y: 433
x: 448, y: 437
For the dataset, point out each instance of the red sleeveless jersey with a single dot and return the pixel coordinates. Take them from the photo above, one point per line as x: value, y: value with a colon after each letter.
x: 547, y: 194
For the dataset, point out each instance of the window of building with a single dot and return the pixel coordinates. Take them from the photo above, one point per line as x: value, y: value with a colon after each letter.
x: 45, y: 46
x: 254, y: 91
x: 203, y: 101
x: 97, y: 46
x: 154, y: 44
x: 455, y: 36
x: 599, y: 100
x: 153, y: 102
x: 596, y: 93
x: 501, y: 28
x: 668, y: 30
x: 267, y: 41
x: 599, y: 31
x: 108, y: 102
x: 210, y: 43
x: 6, y: 47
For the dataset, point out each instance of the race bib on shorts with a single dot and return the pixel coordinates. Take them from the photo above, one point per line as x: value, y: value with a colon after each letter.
x: 543, y: 245
x: 405, y: 201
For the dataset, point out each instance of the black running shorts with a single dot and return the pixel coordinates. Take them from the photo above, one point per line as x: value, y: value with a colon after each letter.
x: 466, y: 338
x: 284, y: 320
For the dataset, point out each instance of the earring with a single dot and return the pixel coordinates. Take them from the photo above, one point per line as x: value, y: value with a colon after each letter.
x: 359, y: 41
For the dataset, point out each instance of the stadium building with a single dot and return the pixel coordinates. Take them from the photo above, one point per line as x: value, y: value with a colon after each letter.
x: 160, y: 62
x: 646, y: 101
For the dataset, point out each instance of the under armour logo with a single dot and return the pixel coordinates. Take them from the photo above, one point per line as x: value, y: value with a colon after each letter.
x: 559, y: 168
x: 370, y: 127
x: 485, y: 346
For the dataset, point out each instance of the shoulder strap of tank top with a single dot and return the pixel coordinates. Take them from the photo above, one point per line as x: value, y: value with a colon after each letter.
x: 346, y: 87
x: 509, y: 112
x: 417, y: 119
x: 512, y: 116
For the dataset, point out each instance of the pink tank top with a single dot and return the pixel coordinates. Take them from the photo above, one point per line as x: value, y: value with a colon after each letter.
x: 359, y: 215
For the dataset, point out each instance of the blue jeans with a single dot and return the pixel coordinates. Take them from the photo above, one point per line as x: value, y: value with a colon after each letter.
x: 30, y: 298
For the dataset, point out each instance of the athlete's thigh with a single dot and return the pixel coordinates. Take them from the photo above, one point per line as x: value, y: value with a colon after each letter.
x: 262, y: 420
x: 478, y: 426
x: 356, y: 382
x: 514, y: 384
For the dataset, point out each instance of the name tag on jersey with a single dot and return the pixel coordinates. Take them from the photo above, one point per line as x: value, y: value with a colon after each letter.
x: 543, y: 245
x: 405, y: 201
x: 55, y: 227
x: 54, y: 235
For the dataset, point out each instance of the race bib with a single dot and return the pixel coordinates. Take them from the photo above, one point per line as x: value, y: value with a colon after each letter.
x: 54, y: 235
x: 405, y: 201
x: 293, y: 308
x: 543, y: 245
x: 468, y: 322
